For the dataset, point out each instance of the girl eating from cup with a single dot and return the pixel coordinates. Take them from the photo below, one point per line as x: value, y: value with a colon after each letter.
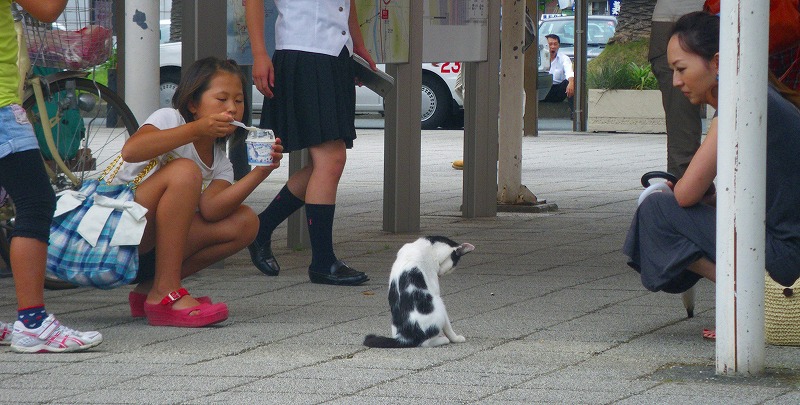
x: 195, y: 214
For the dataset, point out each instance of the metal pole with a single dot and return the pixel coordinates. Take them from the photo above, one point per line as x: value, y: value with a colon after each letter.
x: 580, y: 100
x: 141, y: 40
x: 741, y: 201
x: 297, y: 236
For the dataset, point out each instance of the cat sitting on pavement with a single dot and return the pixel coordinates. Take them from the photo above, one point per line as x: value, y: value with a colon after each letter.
x: 419, y: 318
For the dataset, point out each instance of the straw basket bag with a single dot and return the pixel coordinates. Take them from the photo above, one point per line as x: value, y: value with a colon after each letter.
x: 781, y: 313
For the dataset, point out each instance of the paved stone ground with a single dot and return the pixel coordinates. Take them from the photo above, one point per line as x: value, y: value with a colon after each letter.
x: 550, y: 311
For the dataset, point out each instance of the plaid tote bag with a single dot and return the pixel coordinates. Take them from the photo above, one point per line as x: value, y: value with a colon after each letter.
x: 96, y: 230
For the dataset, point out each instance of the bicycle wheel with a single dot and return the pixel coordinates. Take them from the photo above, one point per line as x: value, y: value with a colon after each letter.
x: 90, y: 123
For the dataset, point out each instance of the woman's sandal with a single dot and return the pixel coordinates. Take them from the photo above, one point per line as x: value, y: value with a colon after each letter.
x: 136, y: 302
x: 162, y: 314
x: 709, y: 334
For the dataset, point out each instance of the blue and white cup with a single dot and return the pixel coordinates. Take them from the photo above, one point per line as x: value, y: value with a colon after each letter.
x: 259, y: 147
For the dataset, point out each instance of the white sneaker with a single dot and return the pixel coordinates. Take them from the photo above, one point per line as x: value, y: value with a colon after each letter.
x: 5, y: 334
x: 51, y: 337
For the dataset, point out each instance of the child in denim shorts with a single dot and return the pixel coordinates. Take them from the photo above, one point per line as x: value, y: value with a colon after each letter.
x: 23, y: 176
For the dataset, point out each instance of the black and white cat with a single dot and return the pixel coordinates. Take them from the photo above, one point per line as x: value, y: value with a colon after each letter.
x: 419, y: 317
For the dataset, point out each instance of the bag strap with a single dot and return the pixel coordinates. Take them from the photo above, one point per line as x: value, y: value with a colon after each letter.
x: 116, y: 164
x: 791, y: 67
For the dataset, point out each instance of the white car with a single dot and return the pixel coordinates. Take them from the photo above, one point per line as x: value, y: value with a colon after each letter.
x: 440, y: 103
x: 600, y: 29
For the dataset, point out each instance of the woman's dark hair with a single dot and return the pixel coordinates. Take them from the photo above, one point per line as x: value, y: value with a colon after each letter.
x: 698, y: 33
x: 196, y: 80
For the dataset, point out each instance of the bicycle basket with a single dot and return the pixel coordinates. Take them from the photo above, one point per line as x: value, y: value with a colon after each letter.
x: 80, y: 38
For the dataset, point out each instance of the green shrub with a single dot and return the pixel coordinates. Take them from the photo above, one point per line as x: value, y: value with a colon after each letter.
x: 622, y: 67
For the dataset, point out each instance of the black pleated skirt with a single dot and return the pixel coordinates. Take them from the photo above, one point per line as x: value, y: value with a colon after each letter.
x: 314, y: 99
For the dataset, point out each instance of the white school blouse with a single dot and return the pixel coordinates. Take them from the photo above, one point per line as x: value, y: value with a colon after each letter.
x: 318, y: 26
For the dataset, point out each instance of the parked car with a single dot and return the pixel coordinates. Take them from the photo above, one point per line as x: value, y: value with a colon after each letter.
x: 170, y: 54
x: 440, y: 102
x: 599, y: 29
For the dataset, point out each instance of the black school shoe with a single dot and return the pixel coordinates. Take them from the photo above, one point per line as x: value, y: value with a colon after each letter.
x: 339, y: 274
x: 263, y: 258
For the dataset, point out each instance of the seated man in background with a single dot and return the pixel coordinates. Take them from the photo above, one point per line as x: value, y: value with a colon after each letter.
x: 563, y: 75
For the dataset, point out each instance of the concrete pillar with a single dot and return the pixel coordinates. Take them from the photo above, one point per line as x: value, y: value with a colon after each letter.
x: 141, y: 45
x: 481, y: 109
x: 530, y: 126
x: 402, y: 134
x: 511, y: 102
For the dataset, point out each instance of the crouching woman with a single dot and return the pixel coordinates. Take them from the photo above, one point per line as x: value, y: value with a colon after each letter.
x: 671, y: 241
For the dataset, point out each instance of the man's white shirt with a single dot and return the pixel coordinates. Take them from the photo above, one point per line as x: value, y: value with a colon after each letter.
x: 561, y: 68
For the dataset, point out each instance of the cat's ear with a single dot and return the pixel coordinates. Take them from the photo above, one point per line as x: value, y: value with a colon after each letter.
x: 464, y: 248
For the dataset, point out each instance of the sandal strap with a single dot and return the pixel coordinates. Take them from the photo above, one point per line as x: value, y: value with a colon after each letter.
x: 174, y: 296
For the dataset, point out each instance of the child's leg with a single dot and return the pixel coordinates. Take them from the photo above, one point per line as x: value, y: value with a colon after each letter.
x: 171, y: 196
x: 288, y: 200
x: 210, y: 242
x: 328, y: 159
x: 23, y: 176
x: 28, y: 261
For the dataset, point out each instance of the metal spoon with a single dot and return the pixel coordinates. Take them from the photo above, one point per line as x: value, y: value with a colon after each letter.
x: 241, y: 125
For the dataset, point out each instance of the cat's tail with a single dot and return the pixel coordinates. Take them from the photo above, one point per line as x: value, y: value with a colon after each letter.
x: 384, y: 342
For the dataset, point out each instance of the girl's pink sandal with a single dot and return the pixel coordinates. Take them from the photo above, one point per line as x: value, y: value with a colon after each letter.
x: 136, y: 302
x: 709, y: 334
x: 162, y: 314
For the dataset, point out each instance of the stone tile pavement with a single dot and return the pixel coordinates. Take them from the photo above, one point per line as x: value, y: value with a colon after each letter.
x: 550, y: 311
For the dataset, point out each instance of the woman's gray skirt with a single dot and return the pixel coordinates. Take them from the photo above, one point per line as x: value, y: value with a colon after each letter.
x: 665, y: 238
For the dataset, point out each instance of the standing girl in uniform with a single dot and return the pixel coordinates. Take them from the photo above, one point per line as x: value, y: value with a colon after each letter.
x: 195, y: 214
x: 309, y: 86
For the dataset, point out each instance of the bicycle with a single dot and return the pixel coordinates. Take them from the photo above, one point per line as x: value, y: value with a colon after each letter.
x: 80, y: 123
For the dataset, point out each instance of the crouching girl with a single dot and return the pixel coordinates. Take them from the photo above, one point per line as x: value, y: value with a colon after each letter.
x: 195, y: 214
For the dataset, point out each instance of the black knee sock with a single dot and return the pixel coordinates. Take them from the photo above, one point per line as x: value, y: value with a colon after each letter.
x: 283, y: 205
x: 320, y: 230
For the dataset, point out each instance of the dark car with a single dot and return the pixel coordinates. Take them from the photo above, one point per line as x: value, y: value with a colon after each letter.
x: 600, y: 28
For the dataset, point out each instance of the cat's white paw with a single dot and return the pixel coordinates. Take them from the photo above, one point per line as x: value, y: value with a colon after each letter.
x: 459, y: 339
